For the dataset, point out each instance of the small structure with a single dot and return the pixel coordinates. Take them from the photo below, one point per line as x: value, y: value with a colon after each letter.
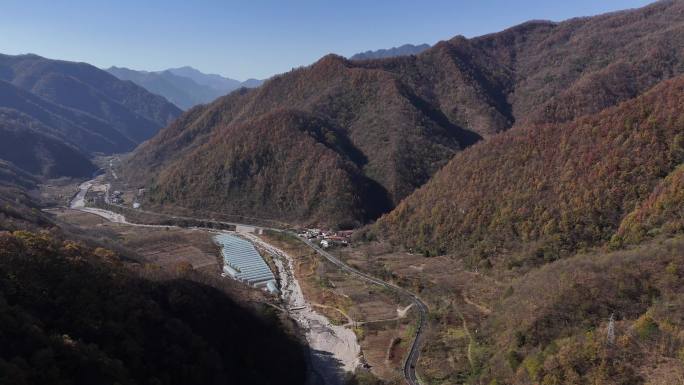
x: 313, y: 233
x: 325, y: 243
x: 136, y: 205
x: 337, y: 240
x: 117, y: 197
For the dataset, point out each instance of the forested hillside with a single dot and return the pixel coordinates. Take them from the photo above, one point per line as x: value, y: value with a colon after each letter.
x: 406, y: 117
x: 18, y: 210
x: 662, y: 213
x: 305, y: 171
x: 73, y: 315
x: 552, y: 325
x: 558, y: 187
x: 81, y: 129
x: 32, y: 145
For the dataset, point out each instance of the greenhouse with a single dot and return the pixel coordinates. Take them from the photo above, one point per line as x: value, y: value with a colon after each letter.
x: 242, y: 262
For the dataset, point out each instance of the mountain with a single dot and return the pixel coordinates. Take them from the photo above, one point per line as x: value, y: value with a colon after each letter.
x: 304, y: 170
x: 395, y: 140
x: 179, y: 90
x: 28, y: 143
x: 61, y: 108
x: 558, y: 187
x: 214, y: 81
x: 404, y: 50
x: 185, y: 87
x: 507, y: 188
x: 406, y: 117
x: 252, y: 83
x: 89, y: 133
x: 129, y: 108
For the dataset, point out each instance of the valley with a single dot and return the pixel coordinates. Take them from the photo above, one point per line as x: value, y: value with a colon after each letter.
x: 497, y: 209
x: 377, y: 307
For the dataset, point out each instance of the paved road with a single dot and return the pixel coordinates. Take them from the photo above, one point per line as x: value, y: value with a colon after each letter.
x: 414, y: 353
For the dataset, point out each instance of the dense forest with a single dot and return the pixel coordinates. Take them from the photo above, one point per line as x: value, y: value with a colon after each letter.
x: 301, y: 172
x: 558, y: 187
x: 73, y: 315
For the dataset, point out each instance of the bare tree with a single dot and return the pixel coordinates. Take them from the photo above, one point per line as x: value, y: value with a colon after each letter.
x: 611, y: 330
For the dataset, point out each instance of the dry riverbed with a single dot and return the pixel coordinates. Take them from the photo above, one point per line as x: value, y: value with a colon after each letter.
x: 334, y: 348
x: 382, y: 322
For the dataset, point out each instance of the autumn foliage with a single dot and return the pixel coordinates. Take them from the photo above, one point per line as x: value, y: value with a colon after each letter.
x: 402, y: 119
x: 566, y: 186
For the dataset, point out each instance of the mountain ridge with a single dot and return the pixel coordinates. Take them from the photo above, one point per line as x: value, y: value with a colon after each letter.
x: 403, y: 50
x: 409, y: 115
x: 186, y: 87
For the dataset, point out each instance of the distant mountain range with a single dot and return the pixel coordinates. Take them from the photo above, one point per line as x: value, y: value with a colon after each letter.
x: 404, y: 50
x: 185, y: 86
x: 54, y: 115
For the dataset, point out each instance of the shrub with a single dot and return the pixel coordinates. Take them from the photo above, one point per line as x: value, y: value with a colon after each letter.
x: 520, y: 338
x: 513, y: 358
x: 533, y: 365
x: 672, y: 268
x: 645, y: 327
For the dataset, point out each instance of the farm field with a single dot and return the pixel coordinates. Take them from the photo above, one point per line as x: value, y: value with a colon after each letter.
x: 163, y: 251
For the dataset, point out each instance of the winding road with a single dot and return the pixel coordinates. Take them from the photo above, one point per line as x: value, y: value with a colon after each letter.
x: 78, y: 203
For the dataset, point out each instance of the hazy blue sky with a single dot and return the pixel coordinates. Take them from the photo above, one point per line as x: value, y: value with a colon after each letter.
x: 256, y: 38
